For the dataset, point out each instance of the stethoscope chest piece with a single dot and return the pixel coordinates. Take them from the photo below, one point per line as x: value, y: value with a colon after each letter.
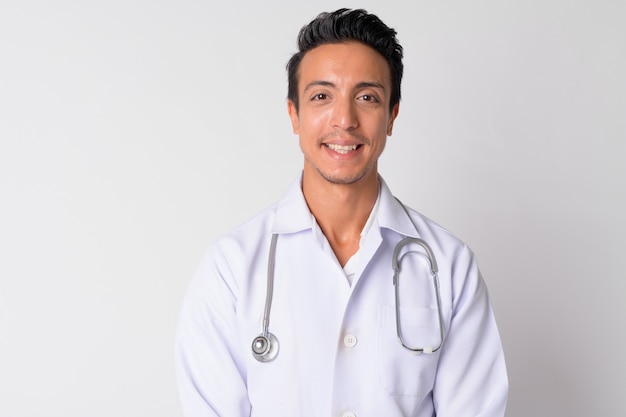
x: 265, y: 347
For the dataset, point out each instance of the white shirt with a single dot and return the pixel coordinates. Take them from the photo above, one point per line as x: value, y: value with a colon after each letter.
x: 339, y: 354
x: 351, y: 266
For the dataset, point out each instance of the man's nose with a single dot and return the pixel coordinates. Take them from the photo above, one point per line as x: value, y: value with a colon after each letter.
x: 344, y: 114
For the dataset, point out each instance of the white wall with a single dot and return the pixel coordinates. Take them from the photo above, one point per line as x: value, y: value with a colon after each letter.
x: 133, y: 133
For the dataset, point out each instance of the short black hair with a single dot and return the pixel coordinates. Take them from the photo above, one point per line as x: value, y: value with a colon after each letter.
x: 345, y: 25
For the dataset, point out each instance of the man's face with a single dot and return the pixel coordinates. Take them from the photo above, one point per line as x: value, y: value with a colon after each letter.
x: 343, y: 118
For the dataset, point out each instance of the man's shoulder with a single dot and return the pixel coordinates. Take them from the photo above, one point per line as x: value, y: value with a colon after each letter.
x: 431, y: 230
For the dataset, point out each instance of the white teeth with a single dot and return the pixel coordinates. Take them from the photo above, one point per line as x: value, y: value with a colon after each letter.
x: 342, y: 149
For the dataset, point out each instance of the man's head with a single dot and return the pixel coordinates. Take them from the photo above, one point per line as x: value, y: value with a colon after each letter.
x: 344, y: 26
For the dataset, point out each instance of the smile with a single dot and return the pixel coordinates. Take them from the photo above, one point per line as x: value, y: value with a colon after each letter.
x: 342, y: 149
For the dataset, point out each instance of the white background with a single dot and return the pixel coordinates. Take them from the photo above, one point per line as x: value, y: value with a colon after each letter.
x: 133, y: 133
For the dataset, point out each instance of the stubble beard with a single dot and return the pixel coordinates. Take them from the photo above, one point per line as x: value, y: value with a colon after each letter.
x: 346, y: 179
x: 339, y: 180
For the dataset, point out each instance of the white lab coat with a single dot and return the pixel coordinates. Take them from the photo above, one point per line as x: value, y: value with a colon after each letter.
x: 339, y: 353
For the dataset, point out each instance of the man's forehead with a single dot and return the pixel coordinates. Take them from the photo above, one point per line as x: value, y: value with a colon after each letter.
x: 346, y: 59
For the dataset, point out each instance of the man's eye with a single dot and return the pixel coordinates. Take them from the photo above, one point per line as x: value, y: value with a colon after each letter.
x: 368, y: 97
x: 320, y: 96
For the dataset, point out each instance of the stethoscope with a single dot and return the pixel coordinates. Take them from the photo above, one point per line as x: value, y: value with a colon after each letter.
x: 265, y: 346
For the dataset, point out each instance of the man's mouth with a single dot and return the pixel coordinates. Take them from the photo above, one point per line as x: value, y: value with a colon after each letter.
x: 341, y: 149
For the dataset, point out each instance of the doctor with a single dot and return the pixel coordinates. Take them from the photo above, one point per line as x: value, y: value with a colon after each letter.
x: 314, y: 271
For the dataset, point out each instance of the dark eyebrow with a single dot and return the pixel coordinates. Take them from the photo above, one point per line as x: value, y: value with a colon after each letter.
x: 372, y: 84
x: 317, y: 84
x: 363, y: 84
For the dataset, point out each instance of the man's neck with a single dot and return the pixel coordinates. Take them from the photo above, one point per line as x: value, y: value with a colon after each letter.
x: 341, y: 210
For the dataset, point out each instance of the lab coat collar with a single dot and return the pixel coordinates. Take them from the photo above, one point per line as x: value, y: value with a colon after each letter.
x: 293, y: 215
x: 292, y: 212
x: 391, y: 214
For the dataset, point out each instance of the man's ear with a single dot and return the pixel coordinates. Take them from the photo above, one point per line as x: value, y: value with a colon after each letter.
x: 293, y: 115
x: 392, y: 118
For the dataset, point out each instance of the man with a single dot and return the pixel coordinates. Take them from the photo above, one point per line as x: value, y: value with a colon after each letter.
x: 294, y: 312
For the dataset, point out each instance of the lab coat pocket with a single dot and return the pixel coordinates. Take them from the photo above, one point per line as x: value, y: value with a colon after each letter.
x: 403, y: 372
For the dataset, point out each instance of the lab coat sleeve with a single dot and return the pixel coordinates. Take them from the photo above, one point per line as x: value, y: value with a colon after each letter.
x: 211, y: 379
x: 471, y: 377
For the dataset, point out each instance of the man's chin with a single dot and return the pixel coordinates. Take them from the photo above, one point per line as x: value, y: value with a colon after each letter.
x: 343, y: 179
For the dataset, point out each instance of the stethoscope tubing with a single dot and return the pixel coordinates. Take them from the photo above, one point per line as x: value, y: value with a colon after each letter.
x: 395, y: 264
x: 265, y: 346
x: 270, y: 284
